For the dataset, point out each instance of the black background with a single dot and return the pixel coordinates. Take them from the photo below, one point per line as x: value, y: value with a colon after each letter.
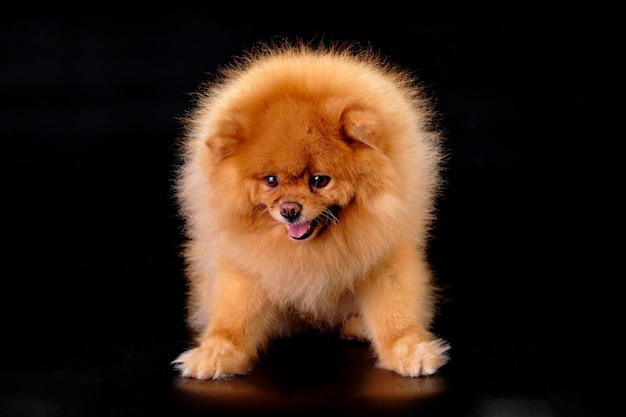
x: 92, y: 290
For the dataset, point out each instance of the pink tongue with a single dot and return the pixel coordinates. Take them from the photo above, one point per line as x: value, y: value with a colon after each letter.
x: 299, y: 229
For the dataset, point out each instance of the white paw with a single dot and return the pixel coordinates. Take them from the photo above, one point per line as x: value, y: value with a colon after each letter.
x: 215, y: 358
x: 409, y: 356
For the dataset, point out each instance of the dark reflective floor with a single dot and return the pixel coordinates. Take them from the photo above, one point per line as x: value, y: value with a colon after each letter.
x: 92, y: 293
x: 312, y: 375
x: 308, y: 375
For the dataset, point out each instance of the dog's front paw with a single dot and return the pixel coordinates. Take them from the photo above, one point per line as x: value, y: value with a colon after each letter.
x: 412, y: 356
x: 215, y: 358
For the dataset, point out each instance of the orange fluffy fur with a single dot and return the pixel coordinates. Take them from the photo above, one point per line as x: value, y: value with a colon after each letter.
x: 307, y: 185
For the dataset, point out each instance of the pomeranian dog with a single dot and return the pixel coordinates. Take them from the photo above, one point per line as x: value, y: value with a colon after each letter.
x: 307, y: 186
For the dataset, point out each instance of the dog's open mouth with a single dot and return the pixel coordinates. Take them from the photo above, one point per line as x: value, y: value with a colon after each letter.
x: 306, y: 229
x: 301, y: 231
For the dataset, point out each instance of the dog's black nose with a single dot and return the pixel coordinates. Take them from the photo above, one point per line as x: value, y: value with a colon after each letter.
x: 290, y: 210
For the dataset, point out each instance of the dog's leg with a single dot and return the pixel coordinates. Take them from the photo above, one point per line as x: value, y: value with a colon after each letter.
x: 397, y: 308
x: 240, y: 322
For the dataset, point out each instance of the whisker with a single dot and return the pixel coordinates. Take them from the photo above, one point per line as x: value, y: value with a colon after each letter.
x: 261, y: 213
x: 329, y: 216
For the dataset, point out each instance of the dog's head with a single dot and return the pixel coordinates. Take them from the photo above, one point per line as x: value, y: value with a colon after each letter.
x: 302, y: 161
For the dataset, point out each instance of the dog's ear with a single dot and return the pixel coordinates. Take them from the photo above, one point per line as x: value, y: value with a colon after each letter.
x: 225, y: 138
x: 360, y: 126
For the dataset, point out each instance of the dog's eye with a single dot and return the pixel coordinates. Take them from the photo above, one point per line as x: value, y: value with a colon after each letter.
x: 319, y: 181
x: 271, y: 180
